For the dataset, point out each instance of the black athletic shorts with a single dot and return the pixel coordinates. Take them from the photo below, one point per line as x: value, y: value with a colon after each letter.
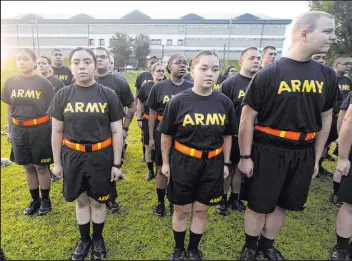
x: 145, y: 129
x: 87, y: 171
x: 281, y: 175
x: 157, y: 139
x: 193, y: 179
x: 333, y: 135
x: 345, y: 192
x: 235, y: 151
x: 32, y: 144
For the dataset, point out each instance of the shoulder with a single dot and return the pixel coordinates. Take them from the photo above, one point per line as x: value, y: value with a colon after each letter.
x: 42, y: 80
x: 12, y: 79
x: 222, y: 97
x: 108, y: 91
x: 228, y: 82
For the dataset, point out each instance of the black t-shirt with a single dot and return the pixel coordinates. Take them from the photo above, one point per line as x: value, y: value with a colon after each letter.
x: 64, y: 74
x: 143, y: 94
x: 188, y: 77
x: 162, y: 92
x: 198, y: 121
x: 86, y: 112
x: 30, y: 97
x: 346, y: 102
x: 291, y: 95
x: 143, y: 78
x: 56, y: 82
x: 235, y: 89
x: 119, y: 85
x: 345, y: 85
x: 219, y: 81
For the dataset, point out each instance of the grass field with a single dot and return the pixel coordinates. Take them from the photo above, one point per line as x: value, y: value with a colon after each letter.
x: 136, y: 234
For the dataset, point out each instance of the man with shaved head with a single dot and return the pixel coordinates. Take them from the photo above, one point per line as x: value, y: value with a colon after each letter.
x: 268, y: 55
x: 290, y: 101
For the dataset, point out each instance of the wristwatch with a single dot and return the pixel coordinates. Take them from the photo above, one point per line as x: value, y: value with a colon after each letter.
x: 117, y: 165
x: 245, y: 156
x: 228, y: 164
x: 125, y: 128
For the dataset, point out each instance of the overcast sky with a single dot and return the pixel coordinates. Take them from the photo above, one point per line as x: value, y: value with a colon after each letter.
x: 154, y: 9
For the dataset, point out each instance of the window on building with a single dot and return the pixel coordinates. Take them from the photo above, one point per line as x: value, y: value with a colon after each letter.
x: 158, y: 41
x: 102, y: 42
x: 169, y: 42
x: 154, y: 41
x: 180, y: 42
x: 91, y: 42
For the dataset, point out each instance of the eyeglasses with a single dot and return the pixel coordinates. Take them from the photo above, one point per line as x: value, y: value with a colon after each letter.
x: 180, y: 62
x: 159, y: 71
x: 346, y: 64
x: 103, y: 57
x: 233, y: 70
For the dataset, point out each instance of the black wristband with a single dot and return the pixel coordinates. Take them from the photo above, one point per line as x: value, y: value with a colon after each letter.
x: 245, y: 156
x: 139, y: 119
x: 228, y: 164
x: 125, y: 128
x: 117, y: 165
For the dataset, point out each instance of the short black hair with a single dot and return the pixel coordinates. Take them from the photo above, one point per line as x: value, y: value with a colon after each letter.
x: 226, y: 73
x: 152, y: 57
x: 267, y: 48
x: 30, y: 52
x: 103, y: 49
x: 88, y: 50
x: 56, y: 49
x: 248, y: 49
x: 46, y: 58
x: 171, y: 59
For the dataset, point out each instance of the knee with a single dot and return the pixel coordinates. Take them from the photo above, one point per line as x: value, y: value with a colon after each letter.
x: 30, y: 169
x: 200, y: 213
x: 348, y: 208
x: 82, y: 202
x: 182, y: 212
x: 42, y: 170
x: 96, y: 205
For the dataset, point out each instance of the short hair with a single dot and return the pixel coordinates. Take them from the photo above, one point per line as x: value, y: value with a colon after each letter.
x: 103, y: 49
x: 340, y: 59
x: 248, y: 49
x: 30, y: 52
x: 266, y: 48
x: 171, y: 59
x: 196, y: 58
x: 88, y: 50
x: 56, y: 49
x: 226, y: 73
x: 153, y: 68
x: 309, y: 20
x: 46, y: 58
x: 189, y: 65
x: 152, y: 57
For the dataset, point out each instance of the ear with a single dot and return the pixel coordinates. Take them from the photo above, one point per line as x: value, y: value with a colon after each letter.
x: 240, y: 62
x: 304, y: 35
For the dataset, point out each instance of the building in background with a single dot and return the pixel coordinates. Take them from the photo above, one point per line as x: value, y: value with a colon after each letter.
x: 187, y: 35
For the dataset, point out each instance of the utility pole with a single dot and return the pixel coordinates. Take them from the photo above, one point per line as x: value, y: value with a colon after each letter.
x: 36, y: 24
x: 33, y: 38
x: 18, y: 40
x: 162, y: 53
x: 185, y: 42
x: 88, y: 35
x: 228, y: 46
x: 261, y: 36
x: 223, y: 58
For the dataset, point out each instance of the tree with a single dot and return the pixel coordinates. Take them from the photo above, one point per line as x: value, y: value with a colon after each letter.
x: 121, y: 45
x: 342, y: 11
x: 141, y: 49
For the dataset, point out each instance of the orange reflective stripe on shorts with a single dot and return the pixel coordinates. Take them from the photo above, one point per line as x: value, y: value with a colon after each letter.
x: 83, y: 147
x: 31, y: 122
x: 291, y: 135
x: 146, y: 116
x: 159, y: 117
x: 197, y: 153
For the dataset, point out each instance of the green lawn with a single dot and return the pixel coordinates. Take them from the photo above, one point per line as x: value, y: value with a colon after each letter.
x: 135, y: 233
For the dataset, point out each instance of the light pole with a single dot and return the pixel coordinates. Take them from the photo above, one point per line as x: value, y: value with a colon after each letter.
x: 36, y: 25
x: 261, y: 35
x: 33, y: 38
x: 18, y: 40
x: 228, y: 46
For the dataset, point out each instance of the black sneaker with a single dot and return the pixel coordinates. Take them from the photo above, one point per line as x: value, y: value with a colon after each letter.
x: 178, y: 254
x: 150, y: 175
x: 248, y: 254
x: 194, y: 254
x: 238, y: 205
x: 33, y: 206
x: 340, y: 254
x: 82, y: 250
x: 334, y: 200
x: 159, y: 210
x: 113, y: 206
x: 350, y: 249
x: 98, y: 248
x: 53, y: 177
x: 222, y: 208
x: 271, y: 254
x: 2, y: 255
x: 171, y: 208
x: 45, y: 207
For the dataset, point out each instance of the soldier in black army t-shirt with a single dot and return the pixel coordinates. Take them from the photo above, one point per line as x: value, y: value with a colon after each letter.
x: 87, y: 120
x: 28, y: 97
x: 219, y: 82
x: 320, y: 57
x: 44, y: 68
x: 157, y: 70
x: 201, y: 123
x: 159, y: 96
x: 292, y: 101
x: 342, y: 66
x: 59, y: 70
x: 235, y: 88
x: 343, y: 249
x: 123, y: 91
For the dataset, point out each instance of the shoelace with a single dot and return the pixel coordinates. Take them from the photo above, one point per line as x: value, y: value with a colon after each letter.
x: 80, y: 247
x: 32, y: 204
x: 99, y: 246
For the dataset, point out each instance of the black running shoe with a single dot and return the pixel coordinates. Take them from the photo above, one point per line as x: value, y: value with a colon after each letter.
x: 178, y: 254
x: 238, y: 205
x: 248, y: 254
x: 334, y: 200
x: 171, y: 208
x: 270, y: 254
x: 33, y: 206
x: 340, y: 254
x: 194, y: 254
x: 113, y: 206
x: 350, y: 249
x: 222, y: 208
x: 159, y: 210
x: 2, y: 255
x: 45, y: 207
x: 150, y: 175
x: 82, y: 250
x: 98, y: 248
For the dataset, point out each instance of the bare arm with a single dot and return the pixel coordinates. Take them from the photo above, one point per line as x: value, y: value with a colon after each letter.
x: 246, y: 129
x: 323, y: 135
x: 9, y: 121
x: 56, y: 139
x: 345, y: 137
x: 227, y: 147
x: 117, y: 140
x: 342, y: 114
x: 131, y: 109
x: 151, y: 122
x: 166, y: 142
x: 140, y: 106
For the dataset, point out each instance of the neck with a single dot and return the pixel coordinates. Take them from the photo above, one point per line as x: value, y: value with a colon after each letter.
x: 202, y: 91
x: 339, y: 73
x: 58, y: 65
x: 86, y: 84
x: 45, y: 75
x: 28, y: 74
x: 102, y: 74
x: 176, y: 80
x: 296, y: 53
x: 246, y: 74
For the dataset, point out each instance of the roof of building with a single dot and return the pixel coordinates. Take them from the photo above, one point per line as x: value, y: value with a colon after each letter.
x: 192, y: 16
x: 82, y: 16
x: 247, y: 16
x: 135, y: 15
